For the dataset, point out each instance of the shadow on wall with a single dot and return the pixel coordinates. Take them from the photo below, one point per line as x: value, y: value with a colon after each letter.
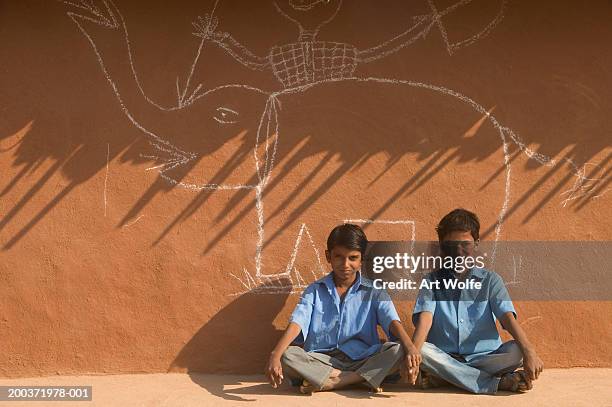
x: 245, y: 332
x: 209, y: 140
x: 236, y: 340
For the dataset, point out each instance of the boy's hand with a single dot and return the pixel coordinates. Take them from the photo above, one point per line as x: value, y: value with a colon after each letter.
x: 532, y: 364
x: 274, y: 371
x: 409, y: 370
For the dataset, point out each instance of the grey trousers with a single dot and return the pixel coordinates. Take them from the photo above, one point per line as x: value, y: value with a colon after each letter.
x: 477, y: 374
x: 316, y: 367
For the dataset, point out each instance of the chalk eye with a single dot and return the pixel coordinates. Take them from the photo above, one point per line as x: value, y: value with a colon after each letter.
x: 225, y: 115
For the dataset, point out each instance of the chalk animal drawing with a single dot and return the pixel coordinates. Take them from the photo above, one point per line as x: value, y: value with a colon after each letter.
x: 298, y: 66
x: 310, y: 61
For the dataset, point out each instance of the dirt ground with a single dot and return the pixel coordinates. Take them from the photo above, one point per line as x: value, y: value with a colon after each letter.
x: 556, y: 387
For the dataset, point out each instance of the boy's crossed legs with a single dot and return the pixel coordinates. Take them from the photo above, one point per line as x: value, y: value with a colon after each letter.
x: 334, y: 370
x: 485, y: 373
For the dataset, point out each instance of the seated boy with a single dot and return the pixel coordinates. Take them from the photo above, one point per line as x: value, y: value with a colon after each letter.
x: 336, y: 321
x: 463, y: 345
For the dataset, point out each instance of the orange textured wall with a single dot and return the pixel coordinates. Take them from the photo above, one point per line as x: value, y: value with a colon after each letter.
x: 152, y: 182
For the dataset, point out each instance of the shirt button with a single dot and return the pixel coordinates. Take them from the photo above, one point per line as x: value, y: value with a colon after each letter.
x: 461, y: 320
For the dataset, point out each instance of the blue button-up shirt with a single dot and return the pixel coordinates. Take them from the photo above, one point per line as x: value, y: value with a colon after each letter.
x: 349, y: 325
x: 464, y: 320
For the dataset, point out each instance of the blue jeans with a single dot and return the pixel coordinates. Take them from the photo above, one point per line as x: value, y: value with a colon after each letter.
x: 474, y: 373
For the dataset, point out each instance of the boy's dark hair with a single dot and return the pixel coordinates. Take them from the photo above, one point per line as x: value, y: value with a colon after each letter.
x: 347, y: 235
x: 459, y: 220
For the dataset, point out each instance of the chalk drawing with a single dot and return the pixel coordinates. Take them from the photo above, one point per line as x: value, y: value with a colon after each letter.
x: 127, y: 225
x: 309, y: 60
x: 516, y: 269
x: 298, y: 67
x: 175, y: 157
x: 106, y: 178
x: 583, y: 184
x: 226, y: 115
x: 291, y: 279
x: 531, y: 320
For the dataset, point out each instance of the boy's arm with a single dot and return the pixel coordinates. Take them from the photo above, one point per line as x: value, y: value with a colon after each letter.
x: 422, y: 314
x: 299, y: 323
x: 422, y: 326
x: 274, y: 370
x: 389, y: 320
x: 504, y: 311
x: 412, y: 359
x: 532, y: 364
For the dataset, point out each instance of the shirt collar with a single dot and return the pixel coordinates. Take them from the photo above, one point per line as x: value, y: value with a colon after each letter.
x: 479, y: 272
x: 328, y: 281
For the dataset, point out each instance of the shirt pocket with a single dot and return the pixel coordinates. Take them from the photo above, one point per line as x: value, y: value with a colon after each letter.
x: 479, y: 315
x: 481, y: 320
x: 325, y: 323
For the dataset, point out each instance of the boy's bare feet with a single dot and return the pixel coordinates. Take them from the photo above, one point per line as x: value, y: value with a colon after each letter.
x: 335, y: 373
x: 517, y: 382
x: 306, y: 387
x: 336, y: 380
x: 428, y: 381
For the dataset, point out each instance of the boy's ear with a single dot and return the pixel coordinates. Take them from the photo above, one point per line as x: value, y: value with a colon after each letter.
x: 328, y: 256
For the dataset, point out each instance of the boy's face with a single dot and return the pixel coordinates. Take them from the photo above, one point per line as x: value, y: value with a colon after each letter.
x: 461, y: 242
x: 345, y: 262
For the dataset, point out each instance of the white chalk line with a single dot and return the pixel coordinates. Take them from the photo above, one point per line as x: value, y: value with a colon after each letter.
x: 314, y: 32
x: 181, y: 101
x: 132, y: 222
x: 226, y: 114
x: 583, y: 185
x: 308, y: 6
x: 602, y: 194
x: 516, y: 267
x: 106, y: 177
x: 531, y: 320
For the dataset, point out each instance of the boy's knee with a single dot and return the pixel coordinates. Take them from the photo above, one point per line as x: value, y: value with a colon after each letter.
x: 394, y: 348
x: 431, y: 354
x: 290, y: 354
x: 428, y: 349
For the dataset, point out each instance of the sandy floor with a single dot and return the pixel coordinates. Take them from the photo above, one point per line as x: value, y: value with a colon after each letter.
x: 556, y: 387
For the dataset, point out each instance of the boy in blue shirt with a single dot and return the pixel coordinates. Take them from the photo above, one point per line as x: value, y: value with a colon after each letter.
x: 463, y: 345
x: 336, y: 322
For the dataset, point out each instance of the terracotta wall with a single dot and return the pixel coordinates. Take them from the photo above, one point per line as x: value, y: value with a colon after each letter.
x: 152, y: 181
